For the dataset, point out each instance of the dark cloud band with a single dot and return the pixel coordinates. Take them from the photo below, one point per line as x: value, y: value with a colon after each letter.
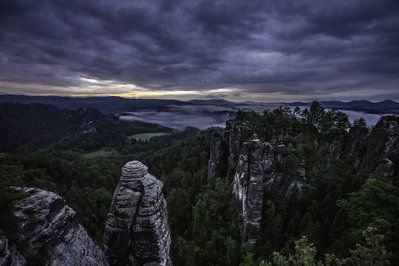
x: 288, y: 47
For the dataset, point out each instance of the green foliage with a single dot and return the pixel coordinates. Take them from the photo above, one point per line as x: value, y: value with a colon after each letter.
x: 338, y: 202
x: 376, y: 204
x: 374, y: 253
x: 86, y: 185
x: 145, y: 136
x: 105, y: 152
x: 315, y: 116
x: 364, y: 207
x: 360, y: 126
x: 371, y: 254
x: 26, y: 127
x: 375, y: 146
x: 247, y: 250
x: 327, y: 124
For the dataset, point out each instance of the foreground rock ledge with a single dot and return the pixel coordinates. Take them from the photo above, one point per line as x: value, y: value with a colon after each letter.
x: 137, y: 230
x: 47, y: 232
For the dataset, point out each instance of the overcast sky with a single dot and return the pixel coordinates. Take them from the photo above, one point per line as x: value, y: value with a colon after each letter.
x: 238, y: 50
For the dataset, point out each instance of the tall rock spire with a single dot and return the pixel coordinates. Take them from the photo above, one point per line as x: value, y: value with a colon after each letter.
x: 137, y: 230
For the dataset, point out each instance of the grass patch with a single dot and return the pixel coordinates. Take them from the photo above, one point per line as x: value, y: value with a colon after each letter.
x: 105, y: 152
x: 145, y: 136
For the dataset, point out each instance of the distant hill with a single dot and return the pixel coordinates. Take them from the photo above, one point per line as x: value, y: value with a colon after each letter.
x: 37, y: 124
x: 29, y: 127
x: 104, y: 104
x: 119, y: 105
x: 109, y: 104
x: 215, y: 102
x: 382, y: 107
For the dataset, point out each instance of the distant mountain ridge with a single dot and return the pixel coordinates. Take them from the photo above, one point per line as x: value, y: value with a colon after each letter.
x: 386, y: 106
x: 105, y: 104
x: 112, y: 104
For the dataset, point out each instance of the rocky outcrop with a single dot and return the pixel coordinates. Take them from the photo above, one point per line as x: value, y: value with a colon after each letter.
x: 391, y: 127
x: 260, y: 159
x: 9, y: 254
x: 216, y: 165
x: 332, y: 151
x: 87, y: 127
x: 248, y: 181
x: 47, y: 232
x: 236, y: 133
x: 256, y: 173
x: 385, y: 167
x: 251, y: 165
x: 137, y: 230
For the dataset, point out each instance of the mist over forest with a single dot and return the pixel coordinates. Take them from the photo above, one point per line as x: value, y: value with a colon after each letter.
x: 204, y: 116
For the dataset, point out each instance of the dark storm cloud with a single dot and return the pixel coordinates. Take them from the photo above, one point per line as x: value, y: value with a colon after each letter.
x: 288, y: 47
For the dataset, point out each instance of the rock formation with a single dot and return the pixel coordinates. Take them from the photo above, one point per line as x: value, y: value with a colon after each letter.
x: 137, y: 230
x: 260, y: 161
x: 87, y: 127
x: 47, y: 232
x: 389, y: 125
x: 217, y: 155
x: 248, y: 184
x: 9, y: 254
x: 252, y: 167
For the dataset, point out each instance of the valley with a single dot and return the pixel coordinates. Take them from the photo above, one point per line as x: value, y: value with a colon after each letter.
x: 199, y: 133
x: 244, y: 190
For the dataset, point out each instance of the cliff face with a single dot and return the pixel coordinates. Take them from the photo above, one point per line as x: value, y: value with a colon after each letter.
x: 253, y: 162
x: 255, y: 173
x: 137, y: 230
x: 267, y: 160
x: 9, y: 254
x: 217, y: 156
x: 253, y: 169
x: 46, y: 232
x: 385, y: 166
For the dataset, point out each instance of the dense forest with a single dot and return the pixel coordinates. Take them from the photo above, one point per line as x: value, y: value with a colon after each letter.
x: 336, y: 208
x: 341, y: 210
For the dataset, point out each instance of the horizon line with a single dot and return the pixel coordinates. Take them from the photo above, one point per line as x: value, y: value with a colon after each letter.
x: 193, y: 99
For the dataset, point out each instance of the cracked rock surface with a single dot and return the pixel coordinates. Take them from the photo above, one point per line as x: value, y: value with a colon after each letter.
x: 47, y: 232
x: 137, y: 230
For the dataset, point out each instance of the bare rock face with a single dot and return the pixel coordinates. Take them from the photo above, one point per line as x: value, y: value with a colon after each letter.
x: 137, y: 230
x: 217, y: 163
x: 260, y: 160
x: 253, y: 170
x: 47, y: 232
x: 385, y: 167
x: 9, y: 254
x: 252, y: 167
x: 256, y: 174
x: 87, y: 127
x: 391, y: 126
x: 248, y: 185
